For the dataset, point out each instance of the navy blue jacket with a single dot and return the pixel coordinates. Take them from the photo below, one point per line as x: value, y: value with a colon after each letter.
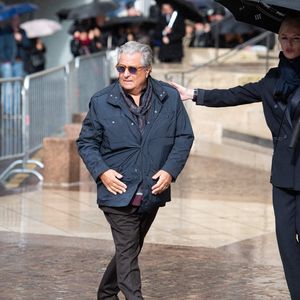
x: 110, y: 139
x: 10, y: 50
x: 285, y: 163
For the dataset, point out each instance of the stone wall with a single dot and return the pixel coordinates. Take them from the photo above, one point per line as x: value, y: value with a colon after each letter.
x: 210, y: 123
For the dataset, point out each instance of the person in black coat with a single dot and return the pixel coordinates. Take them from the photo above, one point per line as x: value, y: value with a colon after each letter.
x: 135, y: 140
x: 279, y: 92
x: 36, y: 61
x: 169, y: 34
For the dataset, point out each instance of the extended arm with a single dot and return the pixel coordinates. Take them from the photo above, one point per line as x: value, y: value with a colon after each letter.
x: 248, y: 93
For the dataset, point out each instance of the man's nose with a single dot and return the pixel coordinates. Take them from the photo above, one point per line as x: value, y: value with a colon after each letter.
x: 126, y: 73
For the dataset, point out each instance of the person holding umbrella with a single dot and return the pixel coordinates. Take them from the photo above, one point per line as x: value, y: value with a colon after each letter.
x: 14, y: 44
x: 279, y: 92
x: 36, y: 61
x: 35, y: 30
x: 169, y: 33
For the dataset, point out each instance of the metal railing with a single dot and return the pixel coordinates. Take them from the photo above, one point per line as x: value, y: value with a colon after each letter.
x: 86, y: 75
x: 45, y: 103
x: 41, y: 104
x: 179, y: 76
x: 11, y: 129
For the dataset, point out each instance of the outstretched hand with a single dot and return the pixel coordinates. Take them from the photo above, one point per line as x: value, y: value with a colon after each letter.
x: 185, y: 93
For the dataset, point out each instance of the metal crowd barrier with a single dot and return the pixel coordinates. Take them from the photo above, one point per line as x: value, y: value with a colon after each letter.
x: 40, y: 105
x: 11, y: 118
x: 86, y: 75
x: 45, y: 105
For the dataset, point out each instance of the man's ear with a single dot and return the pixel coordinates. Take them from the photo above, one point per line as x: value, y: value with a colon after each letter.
x: 148, y: 71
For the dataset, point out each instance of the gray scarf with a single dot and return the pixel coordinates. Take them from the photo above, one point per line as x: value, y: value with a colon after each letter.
x: 139, y: 112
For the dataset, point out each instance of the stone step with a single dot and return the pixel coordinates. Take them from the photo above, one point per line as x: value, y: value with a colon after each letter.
x: 241, y: 153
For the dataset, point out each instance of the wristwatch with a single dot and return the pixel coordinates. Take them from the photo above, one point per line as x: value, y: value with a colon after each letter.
x: 195, y: 95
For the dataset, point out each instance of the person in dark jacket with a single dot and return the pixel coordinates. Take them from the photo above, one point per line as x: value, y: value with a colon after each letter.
x: 81, y: 42
x: 135, y: 140
x: 14, y: 44
x: 36, y: 61
x: 169, y: 34
x: 279, y: 92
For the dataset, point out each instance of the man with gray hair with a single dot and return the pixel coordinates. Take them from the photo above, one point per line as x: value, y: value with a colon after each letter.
x: 135, y: 141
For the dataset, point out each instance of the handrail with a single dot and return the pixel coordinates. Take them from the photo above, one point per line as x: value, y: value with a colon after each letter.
x: 48, y: 99
x: 223, y: 56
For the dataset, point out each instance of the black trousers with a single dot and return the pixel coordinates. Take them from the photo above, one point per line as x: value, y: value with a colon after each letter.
x: 287, y: 217
x: 122, y: 273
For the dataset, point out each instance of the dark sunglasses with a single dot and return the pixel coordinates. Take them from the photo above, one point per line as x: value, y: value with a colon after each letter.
x: 132, y: 70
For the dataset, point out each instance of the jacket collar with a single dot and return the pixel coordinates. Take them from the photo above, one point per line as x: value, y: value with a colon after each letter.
x: 114, y: 96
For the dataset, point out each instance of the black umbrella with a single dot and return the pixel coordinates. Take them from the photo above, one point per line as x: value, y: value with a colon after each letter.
x: 267, y: 14
x: 128, y: 21
x: 63, y: 13
x: 90, y: 10
x: 187, y: 9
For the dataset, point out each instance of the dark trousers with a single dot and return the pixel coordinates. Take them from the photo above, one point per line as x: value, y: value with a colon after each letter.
x: 287, y: 217
x: 122, y: 273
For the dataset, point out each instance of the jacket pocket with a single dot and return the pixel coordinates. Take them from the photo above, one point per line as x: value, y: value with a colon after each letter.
x: 115, y: 132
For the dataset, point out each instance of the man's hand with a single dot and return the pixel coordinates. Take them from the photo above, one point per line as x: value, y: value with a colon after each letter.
x: 166, y: 40
x: 164, y: 181
x: 185, y: 93
x: 111, y: 180
x: 18, y: 36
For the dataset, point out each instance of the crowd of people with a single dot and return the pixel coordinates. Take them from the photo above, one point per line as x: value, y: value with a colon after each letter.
x: 216, y: 25
x: 19, y: 55
x: 96, y: 34
x: 165, y: 29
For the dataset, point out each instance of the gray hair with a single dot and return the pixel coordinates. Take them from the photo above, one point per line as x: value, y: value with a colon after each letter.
x: 136, y: 47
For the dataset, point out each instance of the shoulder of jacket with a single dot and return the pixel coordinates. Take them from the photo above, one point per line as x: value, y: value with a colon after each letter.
x: 170, y: 89
x: 273, y: 72
x: 167, y: 86
x: 102, y: 94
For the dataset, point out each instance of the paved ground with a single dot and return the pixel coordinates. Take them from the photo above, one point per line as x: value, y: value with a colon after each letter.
x: 37, y: 267
x: 50, y: 266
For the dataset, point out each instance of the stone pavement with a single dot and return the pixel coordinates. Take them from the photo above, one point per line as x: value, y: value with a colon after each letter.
x: 215, y: 240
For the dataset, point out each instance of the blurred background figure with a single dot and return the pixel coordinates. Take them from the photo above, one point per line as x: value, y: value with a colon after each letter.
x: 81, y: 42
x: 36, y: 52
x: 98, y: 40
x: 169, y: 34
x: 130, y: 28
x: 14, y: 44
x: 131, y: 10
x: 203, y: 35
x: 154, y: 11
x: 128, y: 9
x: 189, y: 33
x: 36, y: 59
